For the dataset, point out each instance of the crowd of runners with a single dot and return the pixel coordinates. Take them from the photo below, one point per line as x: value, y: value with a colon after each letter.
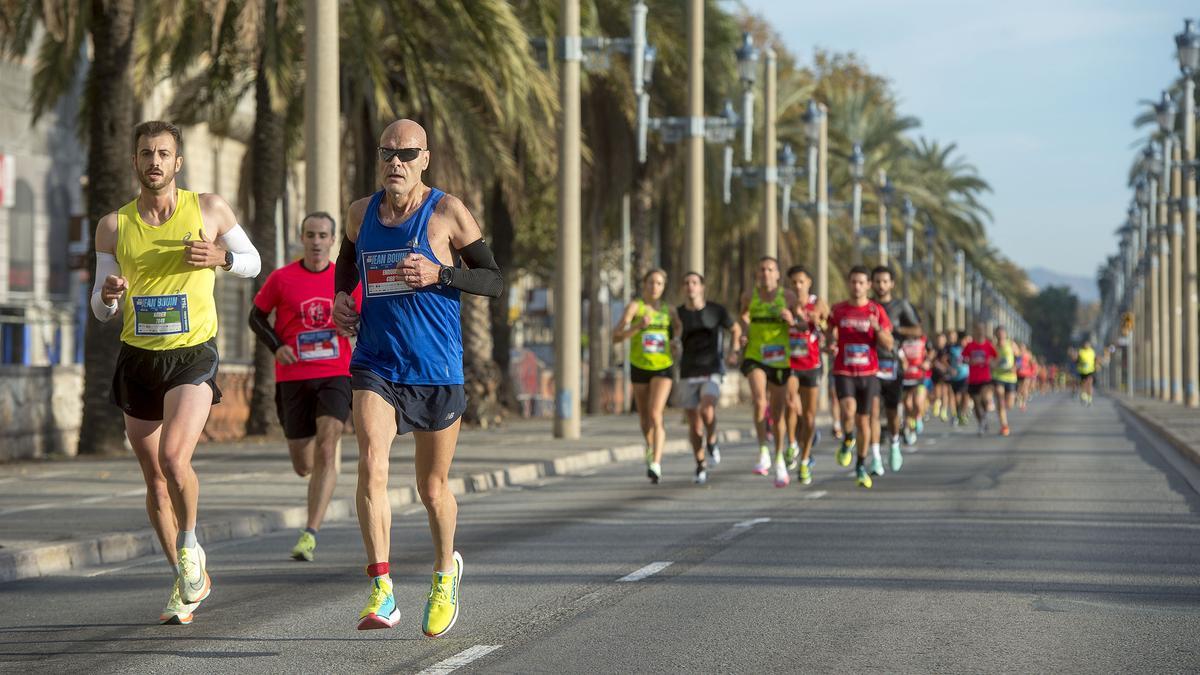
x: 407, y: 252
x: 888, y: 373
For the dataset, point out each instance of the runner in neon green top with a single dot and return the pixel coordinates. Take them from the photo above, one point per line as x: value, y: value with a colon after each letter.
x: 1004, y: 376
x: 762, y: 333
x: 1085, y: 366
x: 654, y: 329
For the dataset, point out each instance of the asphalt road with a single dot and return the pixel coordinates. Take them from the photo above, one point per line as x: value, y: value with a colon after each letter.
x: 1073, y: 545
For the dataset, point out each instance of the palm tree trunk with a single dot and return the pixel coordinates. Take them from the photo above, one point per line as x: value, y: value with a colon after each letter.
x: 268, y: 176
x: 482, y: 377
x: 110, y: 119
x: 503, y: 233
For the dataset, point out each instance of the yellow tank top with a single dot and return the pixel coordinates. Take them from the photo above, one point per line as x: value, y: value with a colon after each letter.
x: 650, y: 347
x: 169, y: 304
x: 1087, y: 361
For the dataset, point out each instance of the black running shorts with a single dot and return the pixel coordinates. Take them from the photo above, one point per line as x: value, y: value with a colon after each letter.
x: 863, y: 389
x: 976, y: 389
x: 808, y: 378
x: 775, y: 376
x: 300, y: 402
x: 144, y: 376
x: 890, y: 391
x: 642, y: 376
x: 418, y: 407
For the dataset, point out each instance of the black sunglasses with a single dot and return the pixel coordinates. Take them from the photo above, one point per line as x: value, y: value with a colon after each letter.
x: 404, y: 154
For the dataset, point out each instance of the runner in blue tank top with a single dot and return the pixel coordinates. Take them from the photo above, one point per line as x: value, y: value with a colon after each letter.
x: 403, y: 244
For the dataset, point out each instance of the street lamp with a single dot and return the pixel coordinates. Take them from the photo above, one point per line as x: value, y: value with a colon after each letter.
x: 907, y: 213
x: 812, y: 130
x: 787, y: 176
x: 747, y: 60
x: 857, y: 164
x: 1187, y: 45
x: 1164, y: 113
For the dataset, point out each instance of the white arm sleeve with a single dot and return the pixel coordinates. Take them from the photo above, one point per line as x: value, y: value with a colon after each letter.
x: 106, y: 264
x: 246, y: 262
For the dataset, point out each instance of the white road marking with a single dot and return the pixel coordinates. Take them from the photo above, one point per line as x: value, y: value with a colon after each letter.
x: 816, y: 495
x: 740, y: 528
x: 652, y: 568
x: 460, y: 659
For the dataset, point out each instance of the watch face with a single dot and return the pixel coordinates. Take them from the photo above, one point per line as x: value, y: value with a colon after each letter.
x: 444, y: 276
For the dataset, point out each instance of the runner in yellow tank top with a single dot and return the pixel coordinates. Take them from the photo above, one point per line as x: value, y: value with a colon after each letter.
x: 155, y: 263
x: 762, y: 335
x: 655, y: 330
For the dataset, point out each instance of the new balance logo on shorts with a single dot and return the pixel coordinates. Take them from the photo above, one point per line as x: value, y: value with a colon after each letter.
x: 450, y: 416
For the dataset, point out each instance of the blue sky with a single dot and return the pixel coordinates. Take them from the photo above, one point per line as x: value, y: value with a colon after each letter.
x: 1039, y: 95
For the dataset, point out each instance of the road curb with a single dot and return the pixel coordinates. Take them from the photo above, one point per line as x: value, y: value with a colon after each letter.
x: 1166, y: 434
x: 122, y: 546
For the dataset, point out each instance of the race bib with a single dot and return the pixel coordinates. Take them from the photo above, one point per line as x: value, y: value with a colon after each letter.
x: 316, y: 345
x: 382, y: 276
x: 160, y: 314
x: 858, y: 355
x: 654, y: 342
x: 887, y: 369
x: 774, y: 354
x: 799, y: 347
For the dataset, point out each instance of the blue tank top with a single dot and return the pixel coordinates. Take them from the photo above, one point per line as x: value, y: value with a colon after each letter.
x: 405, y: 335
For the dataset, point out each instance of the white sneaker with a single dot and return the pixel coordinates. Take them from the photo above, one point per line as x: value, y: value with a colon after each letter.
x: 714, y: 453
x: 782, y: 478
x: 876, y: 464
x: 194, y: 584
x: 764, y: 462
x: 654, y: 472
x: 701, y: 477
x: 177, y: 612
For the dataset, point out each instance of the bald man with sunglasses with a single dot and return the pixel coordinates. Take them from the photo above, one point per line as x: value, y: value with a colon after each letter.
x: 404, y: 244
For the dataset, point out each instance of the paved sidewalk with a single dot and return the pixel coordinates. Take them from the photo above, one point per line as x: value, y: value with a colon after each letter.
x: 71, y: 513
x: 1177, y: 424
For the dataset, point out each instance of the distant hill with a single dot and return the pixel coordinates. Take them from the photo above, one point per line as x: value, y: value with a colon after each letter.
x: 1083, y: 287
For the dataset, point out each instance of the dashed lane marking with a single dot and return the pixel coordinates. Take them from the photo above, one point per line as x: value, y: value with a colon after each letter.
x: 652, y: 568
x: 460, y: 659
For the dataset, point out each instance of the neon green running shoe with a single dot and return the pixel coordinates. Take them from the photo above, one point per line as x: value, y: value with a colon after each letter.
x: 381, y: 610
x: 441, y: 609
x: 846, y: 451
x: 790, y: 455
x: 863, y: 478
x: 806, y: 472
x: 305, y: 547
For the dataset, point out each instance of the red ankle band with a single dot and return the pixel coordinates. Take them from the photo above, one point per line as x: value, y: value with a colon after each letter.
x: 377, y: 569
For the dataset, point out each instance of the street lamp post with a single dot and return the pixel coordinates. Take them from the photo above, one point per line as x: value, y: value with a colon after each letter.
x: 567, y: 287
x: 960, y: 285
x: 934, y: 302
x: 907, y: 214
x: 857, y: 162
x: 885, y: 198
x: 694, y: 186
x: 1188, y: 50
x: 770, y: 173
x: 1175, y: 306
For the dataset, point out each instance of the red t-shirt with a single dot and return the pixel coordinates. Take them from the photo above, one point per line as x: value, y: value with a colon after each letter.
x: 804, y: 341
x: 979, y: 357
x: 303, y: 306
x: 914, y: 360
x: 856, y: 354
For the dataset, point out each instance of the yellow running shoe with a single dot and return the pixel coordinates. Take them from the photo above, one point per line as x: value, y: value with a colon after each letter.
x: 177, y: 612
x: 381, y: 610
x: 846, y: 451
x: 305, y: 547
x: 441, y: 609
x: 805, y: 473
x: 863, y: 478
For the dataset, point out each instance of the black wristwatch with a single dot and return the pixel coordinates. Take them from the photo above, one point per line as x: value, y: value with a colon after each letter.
x: 444, y: 275
x: 228, y: 259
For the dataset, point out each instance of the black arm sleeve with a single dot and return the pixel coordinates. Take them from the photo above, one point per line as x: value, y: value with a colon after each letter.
x: 482, y: 275
x: 345, y: 274
x: 263, y: 329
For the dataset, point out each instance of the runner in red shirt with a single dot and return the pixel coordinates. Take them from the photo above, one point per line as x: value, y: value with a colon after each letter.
x: 804, y: 348
x: 858, y: 326
x: 979, y: 353
x: 312, y: 366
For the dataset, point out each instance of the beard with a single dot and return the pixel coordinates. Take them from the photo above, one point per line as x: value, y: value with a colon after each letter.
x: 154, y: 183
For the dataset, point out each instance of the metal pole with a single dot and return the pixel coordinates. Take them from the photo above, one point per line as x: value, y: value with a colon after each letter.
x: 569, y: 252
x: 823, y: 203
x: 694, y: 186
x: 935, y: 289
x: 322, y: 164
x: 1156, y: 352
x: 1176, y: 302
x: 960, y: 264
x: 626, y: 291
x: 1191, y: 365
x: 908, y: 259
x: 856, y: 221
x: 770, y: 223
x: 883, y: 219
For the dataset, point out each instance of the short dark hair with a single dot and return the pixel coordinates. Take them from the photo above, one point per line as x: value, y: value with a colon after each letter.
x: 797, y: 269
x: 883, y: 269
x: 155, y: 128
x: 859, y: 269
x: 319, y: 214
x: 773, y: 259
x: 694, y: 274
x: 656, y: 270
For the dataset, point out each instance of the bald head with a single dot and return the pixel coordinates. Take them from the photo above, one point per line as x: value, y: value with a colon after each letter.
x: 400, y: 172
x: 403, y: 134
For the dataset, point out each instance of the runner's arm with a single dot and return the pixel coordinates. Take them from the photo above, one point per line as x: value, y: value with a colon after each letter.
x: 482, y: 274
x: 216, y: 212
x: 345, y: 272
x: 623, y: 329
x: 262, y: 328
x: 108, y: 270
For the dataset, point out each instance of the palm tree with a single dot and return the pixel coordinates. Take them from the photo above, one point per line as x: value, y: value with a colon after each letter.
x: 108, y: 25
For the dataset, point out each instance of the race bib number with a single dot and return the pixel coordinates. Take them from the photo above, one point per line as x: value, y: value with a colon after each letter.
x: 799, y: 347
x: 858, y: 355
x: 773, y: 354
x: 887, y: 369
x: 316, y: 345
x: 160, y: 314
x: 654, y: 342
x: 382, y: 276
